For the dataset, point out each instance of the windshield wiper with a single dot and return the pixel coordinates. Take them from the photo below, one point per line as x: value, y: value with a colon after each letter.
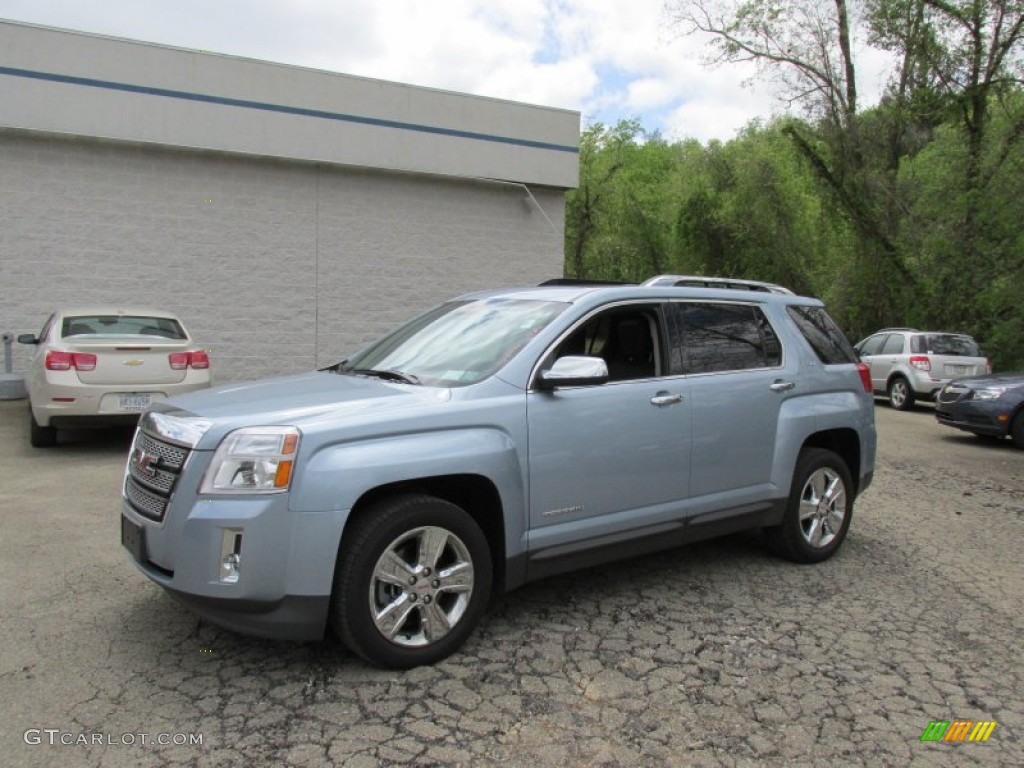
x: 388, y: 375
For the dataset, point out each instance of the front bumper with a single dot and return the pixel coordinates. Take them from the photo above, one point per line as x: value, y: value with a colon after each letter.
x: 972, y: 417
x: 286, y: 562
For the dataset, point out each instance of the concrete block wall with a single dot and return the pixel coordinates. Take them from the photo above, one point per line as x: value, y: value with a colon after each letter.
x: 276, y: 266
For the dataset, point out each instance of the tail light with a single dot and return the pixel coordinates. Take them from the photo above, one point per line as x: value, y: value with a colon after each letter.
x: 865, y: 376
x: 199, y: 359
x: 988, y: 365
x: 179, y: 361
x: 921, y: 362
x: 65, y: 361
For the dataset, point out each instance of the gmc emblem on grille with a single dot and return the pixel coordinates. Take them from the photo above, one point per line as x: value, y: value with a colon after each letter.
x: 146, y: 463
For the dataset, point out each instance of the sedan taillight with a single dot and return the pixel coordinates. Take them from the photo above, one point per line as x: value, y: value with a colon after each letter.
x: 198, y: 360
x: 57, y: 360
x: 921, y: 362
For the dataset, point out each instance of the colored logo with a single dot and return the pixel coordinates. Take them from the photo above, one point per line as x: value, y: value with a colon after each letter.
x: 958, y: 730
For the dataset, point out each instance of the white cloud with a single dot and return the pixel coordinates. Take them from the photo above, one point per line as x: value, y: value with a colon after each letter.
x: 610, y: 59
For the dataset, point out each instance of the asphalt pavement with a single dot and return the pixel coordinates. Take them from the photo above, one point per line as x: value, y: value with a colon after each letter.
x: 713, y: 655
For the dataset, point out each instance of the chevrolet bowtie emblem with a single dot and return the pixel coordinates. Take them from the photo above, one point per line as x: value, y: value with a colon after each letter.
x: 132, y: 363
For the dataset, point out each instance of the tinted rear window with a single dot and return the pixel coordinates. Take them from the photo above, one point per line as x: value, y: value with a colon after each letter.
x: 946, y: 344
x: 822, y: 333
x: 122, y: 325
x: 723, y: 337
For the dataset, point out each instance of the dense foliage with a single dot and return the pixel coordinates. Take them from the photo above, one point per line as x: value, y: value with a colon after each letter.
x: 907, y: 213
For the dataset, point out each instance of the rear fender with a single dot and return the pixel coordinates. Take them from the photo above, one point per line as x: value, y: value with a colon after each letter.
x: 802, y: 420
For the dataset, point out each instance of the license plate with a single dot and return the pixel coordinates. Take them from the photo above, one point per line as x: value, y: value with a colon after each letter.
x: 135, y: 402
x: 957, y: 370
x: 133, y: 538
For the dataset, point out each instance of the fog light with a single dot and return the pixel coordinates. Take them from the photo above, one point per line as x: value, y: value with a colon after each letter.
x: 230, y: 555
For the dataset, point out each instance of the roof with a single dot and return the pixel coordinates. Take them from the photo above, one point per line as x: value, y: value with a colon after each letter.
x: 113, y: 310
x: 608, y: 293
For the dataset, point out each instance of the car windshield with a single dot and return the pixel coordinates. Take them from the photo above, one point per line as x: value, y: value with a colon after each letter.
x: 947, y: 344
x: 122, y: 325
x: 457, y: 343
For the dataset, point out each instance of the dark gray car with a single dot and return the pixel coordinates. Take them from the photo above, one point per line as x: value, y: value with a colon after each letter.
x: 990, y: 406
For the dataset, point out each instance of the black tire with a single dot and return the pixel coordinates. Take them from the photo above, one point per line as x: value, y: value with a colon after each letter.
x: 40, y: 437
x: 901, y: 395
x: 819, y: 509
x: 1017, y: 430
x: 454, y: 603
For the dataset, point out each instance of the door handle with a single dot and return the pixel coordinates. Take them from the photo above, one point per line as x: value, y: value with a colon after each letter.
x: 781, y: 386
x: 664, y: 398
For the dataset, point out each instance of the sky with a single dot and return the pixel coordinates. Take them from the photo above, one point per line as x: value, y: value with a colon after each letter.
x: 608, y: 59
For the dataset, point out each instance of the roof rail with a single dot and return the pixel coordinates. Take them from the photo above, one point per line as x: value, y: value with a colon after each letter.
x: 580, y: 281
x: 699, y: 281
x: 911, y: 330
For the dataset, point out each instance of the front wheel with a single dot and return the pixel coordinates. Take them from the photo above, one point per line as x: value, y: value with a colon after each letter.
x: 1017, y: 430
x: 819, y: 509
x: 412, y: 582
x: 901, y: 396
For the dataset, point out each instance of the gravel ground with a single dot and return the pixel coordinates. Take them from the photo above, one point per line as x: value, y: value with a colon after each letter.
x: 712, y: 655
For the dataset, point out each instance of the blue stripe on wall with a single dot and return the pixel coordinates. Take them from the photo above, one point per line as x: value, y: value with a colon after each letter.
x: 281, y: 108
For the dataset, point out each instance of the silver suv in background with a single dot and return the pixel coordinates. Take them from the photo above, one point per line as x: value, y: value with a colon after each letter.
x: 909, y: 365
x: 496, y: 439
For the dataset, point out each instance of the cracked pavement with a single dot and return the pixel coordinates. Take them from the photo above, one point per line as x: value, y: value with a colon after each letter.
x: 713, y: 655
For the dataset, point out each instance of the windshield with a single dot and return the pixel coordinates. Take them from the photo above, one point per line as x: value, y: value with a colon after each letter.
x: 457, y: 343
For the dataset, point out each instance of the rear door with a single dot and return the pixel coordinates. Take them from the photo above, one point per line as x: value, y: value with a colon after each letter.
x: 893, y: 352
x: 868, y: 351
x: 738, y: 377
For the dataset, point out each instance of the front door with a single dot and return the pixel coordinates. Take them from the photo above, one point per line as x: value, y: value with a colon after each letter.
x: 612, y: 457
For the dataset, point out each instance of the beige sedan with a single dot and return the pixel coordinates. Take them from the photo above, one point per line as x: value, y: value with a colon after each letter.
x: 102, y: 365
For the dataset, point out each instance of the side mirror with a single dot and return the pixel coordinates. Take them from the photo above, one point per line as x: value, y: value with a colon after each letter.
x: 574, y: 371
x: 27, y: 338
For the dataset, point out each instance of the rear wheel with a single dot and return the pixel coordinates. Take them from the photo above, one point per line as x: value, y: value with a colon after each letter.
x: 901, y: 396
x: 1017, y: 430
x: 40, y: 437
x: 412, y: 582
x: 819, y: 509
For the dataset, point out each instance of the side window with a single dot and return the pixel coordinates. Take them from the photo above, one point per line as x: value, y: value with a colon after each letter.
x: 628, y: 339
x: 825, y: 338
x: 724, y: 337
x: 893, y: 345
x: 873, y: 346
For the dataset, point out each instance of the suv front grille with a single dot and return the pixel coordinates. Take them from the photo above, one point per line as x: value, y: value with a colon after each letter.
x: 154, y: 467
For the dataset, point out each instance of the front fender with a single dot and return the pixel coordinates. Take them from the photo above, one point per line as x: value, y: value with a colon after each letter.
x: 338, y: 474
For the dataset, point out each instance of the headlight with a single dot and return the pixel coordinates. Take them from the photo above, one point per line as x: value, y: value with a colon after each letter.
x: 253, y: 460
x: 989, y: 393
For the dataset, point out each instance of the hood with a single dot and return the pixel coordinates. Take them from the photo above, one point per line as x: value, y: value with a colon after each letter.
x: 1008, y: 380
x: 293, y: 400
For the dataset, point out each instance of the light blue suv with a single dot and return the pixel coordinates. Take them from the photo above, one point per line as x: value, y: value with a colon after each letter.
x: 496, y: 439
